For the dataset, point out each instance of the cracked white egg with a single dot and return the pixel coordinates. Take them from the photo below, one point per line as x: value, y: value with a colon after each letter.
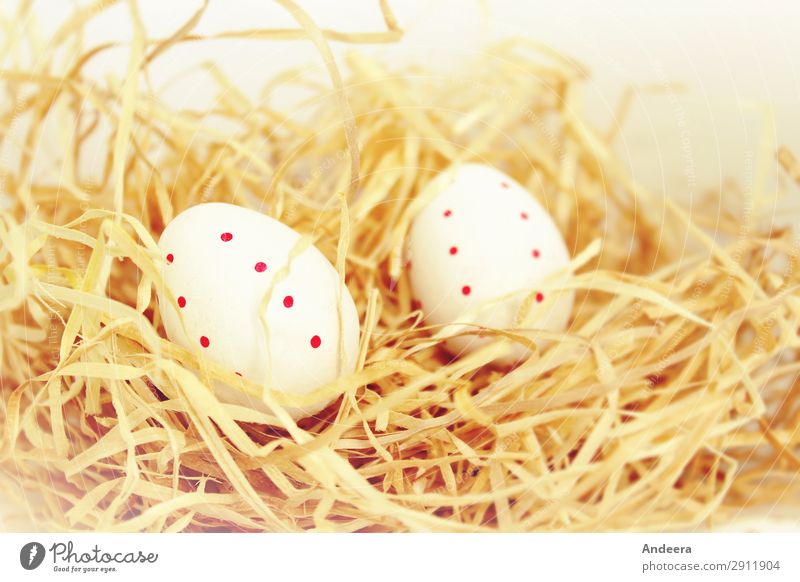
x: 241, y: 301
x: 482, y: 248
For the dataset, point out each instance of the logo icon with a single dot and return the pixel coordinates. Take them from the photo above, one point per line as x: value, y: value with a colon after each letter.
x: 31, y: 555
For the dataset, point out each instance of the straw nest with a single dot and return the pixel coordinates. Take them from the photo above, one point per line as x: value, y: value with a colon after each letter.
x: 672, y: 402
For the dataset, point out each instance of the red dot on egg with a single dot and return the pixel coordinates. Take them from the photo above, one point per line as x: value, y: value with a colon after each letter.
x: 170, y: 258
x: 505, y: 184
x: 204, y: 342
x: 539, y: 298
x: 226, y: 237
x: 466, y: 290
x: 536, y: 254
x: 453, y: 250
x: 260, y: 267
x: 316, y: 342
x: 181, y: 302
x: 448, y: 213
x: 523, y: 215
x: 288, y: 301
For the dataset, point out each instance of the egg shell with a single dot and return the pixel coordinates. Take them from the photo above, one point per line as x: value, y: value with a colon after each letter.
x: 482, y: 237
x: 220, y: 261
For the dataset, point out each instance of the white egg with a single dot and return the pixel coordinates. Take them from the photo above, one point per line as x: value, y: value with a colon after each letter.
x: 221, y: 261
x: 478, y: 249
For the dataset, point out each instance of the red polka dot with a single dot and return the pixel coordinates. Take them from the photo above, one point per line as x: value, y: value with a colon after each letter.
x: 260, y: 267
x: 204, y: 342
x: 505, y: 184
x: 466, y: 290
x: 181, y: 302
x: 170, y: 258
x: 453, y: 250
x: 539, y: 298
x: 536, y: 254
x: 416, y: 304
x: 316, y: 342
x: 288, y: 301
x: 523, y: 215
x: 226, y: 237
x: 447, y: 213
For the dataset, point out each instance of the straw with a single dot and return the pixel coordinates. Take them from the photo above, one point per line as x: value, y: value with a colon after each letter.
x: 672, y: 402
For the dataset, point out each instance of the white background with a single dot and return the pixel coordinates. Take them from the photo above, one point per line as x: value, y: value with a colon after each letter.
x: 738, y: 61
x: 410, y: 558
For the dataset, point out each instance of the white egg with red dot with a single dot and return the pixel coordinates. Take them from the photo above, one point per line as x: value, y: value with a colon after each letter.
x: 478, y: 249
x: 221, y: 261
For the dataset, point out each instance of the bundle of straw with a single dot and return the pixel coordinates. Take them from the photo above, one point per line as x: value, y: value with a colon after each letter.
x: 672, y: 402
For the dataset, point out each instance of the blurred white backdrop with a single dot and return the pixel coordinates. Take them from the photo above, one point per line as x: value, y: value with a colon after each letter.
x: 739, y: 63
